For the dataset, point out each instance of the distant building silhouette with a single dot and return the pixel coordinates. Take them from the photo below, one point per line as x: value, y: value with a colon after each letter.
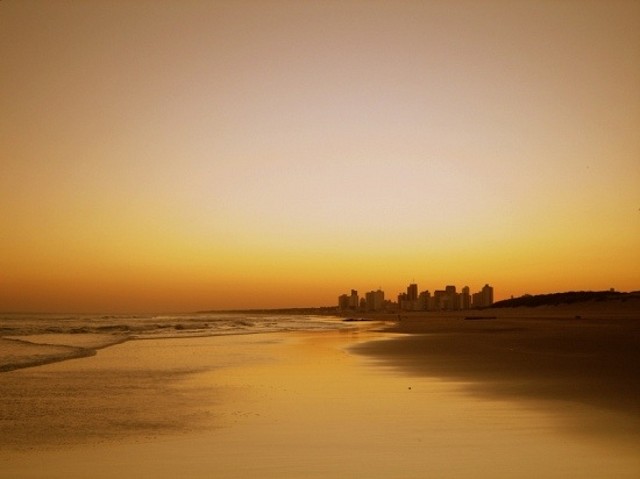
x: 440, y: 300
x: 353, y: 300
x: 424, y: 300
x: 487, y: 295
x: 348, y: 301
x: 363, y: 304
x: 447, y: 299
x: 412, y: 292
x: 452, y: 298
x: 482, y: 298
x: 372, y: 301
x: 465, y: 298
x: 375, y: 300
x: 343, y: 302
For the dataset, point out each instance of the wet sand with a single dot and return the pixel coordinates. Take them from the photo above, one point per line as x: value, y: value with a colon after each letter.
x: 557, y: 361
x: 326, y: 404
x: 18, y: 352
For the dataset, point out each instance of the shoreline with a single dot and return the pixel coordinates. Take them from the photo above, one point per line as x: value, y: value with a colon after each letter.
x: 284, y: 405
x: 39, y: 341
x: 20, y: 353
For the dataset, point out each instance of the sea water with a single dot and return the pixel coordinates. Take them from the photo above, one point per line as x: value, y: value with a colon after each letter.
x: 28, y: 339
x: 162, y: 325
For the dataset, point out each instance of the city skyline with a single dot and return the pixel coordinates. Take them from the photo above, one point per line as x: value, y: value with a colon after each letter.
x: 447, y: 299
x: 183, y: 156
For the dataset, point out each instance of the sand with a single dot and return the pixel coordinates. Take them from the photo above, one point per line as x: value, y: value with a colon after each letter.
x: 442, y: 398
x: 18, y: 352
x: 587, y: 362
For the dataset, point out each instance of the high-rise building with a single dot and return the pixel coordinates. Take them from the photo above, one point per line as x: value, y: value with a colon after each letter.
x: 487, y: 295
x: 375, y: 300
x: 483, y: 298
x: 343, y: 302
x: 440, y: 300
x: 412, y: 292
x: 465, y: 298
x: 353, y: 300
x: 476, y: 300
x: 452, y: 297
x: 378, y: 300
x: 424, y: 300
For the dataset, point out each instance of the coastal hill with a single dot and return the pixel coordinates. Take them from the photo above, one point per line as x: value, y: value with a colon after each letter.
x: 570, y: 297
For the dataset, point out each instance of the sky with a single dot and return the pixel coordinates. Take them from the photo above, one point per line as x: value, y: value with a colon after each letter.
x: 180, y: 156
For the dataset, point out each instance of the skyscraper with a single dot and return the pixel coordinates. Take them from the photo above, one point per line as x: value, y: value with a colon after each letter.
x: 343, y: 302
x: 412, y: 292
x: 375, y: 300
x: 424, y: 300
x: 452, y: 297
x: 354, y: 303
x: 440, y: 299
x: 465, y: 298
x: 487, y: 295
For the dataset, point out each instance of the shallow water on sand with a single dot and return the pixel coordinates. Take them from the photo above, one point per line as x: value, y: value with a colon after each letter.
x: 34, y: 339
x: 285, y: 406
x: 161, y: 325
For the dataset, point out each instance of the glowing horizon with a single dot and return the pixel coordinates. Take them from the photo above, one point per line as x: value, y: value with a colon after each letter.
x: 162, y: 156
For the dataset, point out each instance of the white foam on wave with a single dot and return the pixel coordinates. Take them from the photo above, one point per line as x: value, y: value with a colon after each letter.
x: 42, y: 338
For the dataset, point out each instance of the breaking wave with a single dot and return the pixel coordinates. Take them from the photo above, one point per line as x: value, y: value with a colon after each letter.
x: 34, y: 339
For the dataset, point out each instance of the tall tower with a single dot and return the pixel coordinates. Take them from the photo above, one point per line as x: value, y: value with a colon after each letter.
x: 465, y: 298
x: 375, y: 300
x: 378, y: 300
x: 487, y: 295
x: 354, y: 303
x: 452, y: 297
x: 412, y: 292
x: 343, y: 302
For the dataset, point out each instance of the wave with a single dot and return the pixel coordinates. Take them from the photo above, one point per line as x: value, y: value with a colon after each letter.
x: 17, y: 353
x: 35, y: 339
x: 154, y: 325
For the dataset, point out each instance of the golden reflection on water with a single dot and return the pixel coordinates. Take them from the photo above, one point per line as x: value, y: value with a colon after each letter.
x: 300, y: 405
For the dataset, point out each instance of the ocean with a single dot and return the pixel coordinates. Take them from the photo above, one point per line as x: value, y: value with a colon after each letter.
x: 28, y: 339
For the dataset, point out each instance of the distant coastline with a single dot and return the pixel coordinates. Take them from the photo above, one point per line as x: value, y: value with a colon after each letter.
x: 527, y: 301
x: 320, y: 311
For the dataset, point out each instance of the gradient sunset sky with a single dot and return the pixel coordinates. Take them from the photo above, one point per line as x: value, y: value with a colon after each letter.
x: 187, y: 155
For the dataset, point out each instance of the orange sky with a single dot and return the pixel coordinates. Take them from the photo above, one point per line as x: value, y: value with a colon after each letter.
x: 172, y: 156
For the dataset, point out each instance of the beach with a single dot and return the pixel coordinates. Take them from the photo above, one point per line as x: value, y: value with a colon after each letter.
x: 521, y: 395
x: 255, y: 239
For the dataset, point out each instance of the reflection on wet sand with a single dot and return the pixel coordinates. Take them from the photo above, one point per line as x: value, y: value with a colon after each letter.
x: 282, y: 405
